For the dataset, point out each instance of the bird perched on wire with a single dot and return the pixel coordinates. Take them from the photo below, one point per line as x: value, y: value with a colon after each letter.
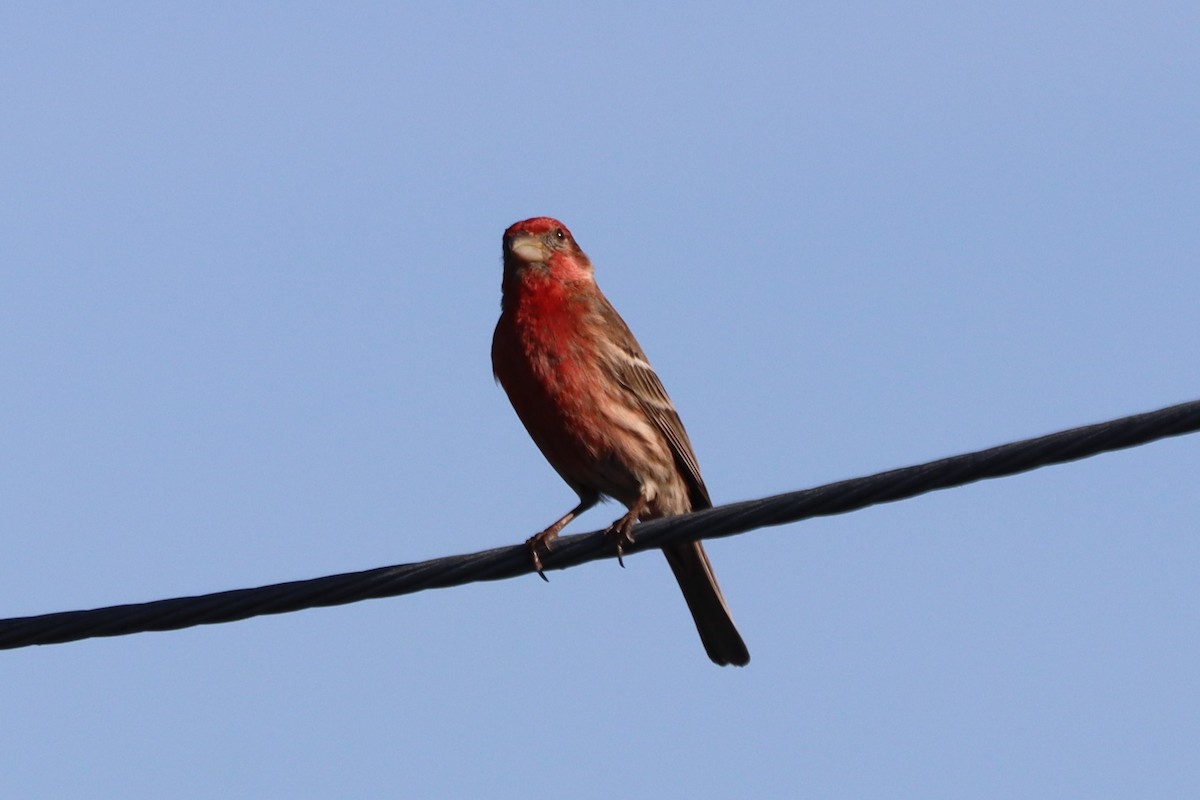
x: 586, y: 393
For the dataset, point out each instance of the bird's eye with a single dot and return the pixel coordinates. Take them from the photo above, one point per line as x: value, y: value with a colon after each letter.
x: 559, y: 235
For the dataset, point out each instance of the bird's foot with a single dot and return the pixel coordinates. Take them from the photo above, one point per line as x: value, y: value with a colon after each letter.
x: 622, y: 532
x: 541, y: 543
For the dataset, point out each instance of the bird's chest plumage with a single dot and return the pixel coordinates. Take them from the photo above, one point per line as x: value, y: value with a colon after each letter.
x: 555, y: 348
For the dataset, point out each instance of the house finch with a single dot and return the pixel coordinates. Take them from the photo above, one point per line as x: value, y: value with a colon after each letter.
x: 586, y: 393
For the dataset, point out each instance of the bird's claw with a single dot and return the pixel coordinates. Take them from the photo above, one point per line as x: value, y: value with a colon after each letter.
x: 622, y: 531
x: 542, y: 541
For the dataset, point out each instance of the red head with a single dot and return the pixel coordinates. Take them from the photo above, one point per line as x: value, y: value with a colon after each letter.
x: 543, y: 247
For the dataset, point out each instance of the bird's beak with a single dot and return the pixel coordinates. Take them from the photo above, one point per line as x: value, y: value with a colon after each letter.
x: 530, y: 249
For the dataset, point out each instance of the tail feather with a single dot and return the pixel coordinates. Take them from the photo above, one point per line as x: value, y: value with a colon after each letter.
x: 720, y: 636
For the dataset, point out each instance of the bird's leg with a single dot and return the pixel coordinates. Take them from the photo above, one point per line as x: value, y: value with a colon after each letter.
x: 622, y: 529
x: 544, y: 541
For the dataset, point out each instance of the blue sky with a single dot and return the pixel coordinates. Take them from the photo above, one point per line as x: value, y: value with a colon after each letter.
x: 250, y: 268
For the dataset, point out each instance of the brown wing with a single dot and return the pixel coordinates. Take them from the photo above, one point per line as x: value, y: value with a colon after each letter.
x: 630, y: 367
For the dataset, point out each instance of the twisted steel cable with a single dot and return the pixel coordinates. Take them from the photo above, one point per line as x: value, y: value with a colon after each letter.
x: 508, y: 562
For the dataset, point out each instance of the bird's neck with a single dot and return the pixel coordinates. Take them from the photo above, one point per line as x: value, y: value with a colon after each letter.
x: 544, y: 307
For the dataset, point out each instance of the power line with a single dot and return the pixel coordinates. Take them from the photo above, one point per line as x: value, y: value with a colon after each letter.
x: 569, y: 551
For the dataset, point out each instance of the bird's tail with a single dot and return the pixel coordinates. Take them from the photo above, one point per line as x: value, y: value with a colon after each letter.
x: 720, y: 636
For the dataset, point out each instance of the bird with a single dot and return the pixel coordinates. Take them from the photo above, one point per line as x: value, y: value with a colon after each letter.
x: 588, y: 397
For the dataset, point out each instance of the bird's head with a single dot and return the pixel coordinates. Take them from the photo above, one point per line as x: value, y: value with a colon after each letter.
x: 543, y: 247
